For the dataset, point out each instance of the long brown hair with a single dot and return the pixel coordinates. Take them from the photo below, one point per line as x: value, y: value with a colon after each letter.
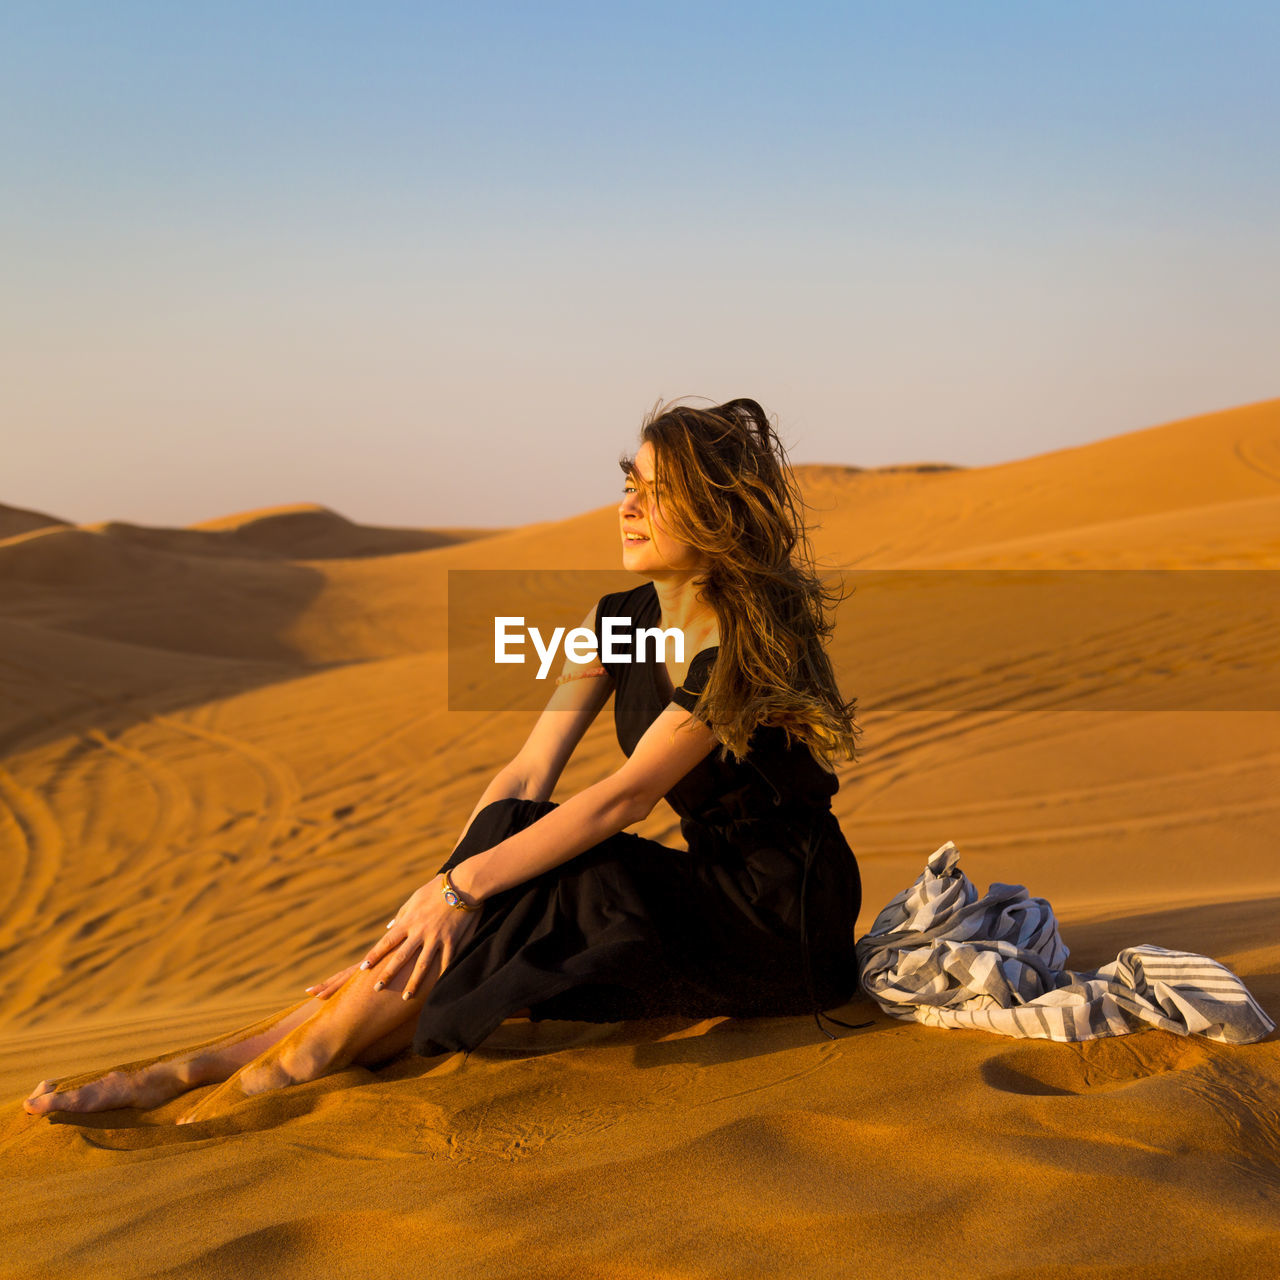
x: 726, y: 488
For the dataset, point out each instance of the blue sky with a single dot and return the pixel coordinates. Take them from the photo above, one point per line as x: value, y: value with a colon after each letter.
x: 430, y: 265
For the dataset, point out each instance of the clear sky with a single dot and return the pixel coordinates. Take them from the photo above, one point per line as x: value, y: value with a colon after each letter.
x: 431, y: 263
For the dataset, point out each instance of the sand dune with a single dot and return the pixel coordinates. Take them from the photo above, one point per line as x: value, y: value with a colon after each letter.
x: 15, y: 521
x: 873, y: 519
x: 226, y: 753
x: 307, y: 531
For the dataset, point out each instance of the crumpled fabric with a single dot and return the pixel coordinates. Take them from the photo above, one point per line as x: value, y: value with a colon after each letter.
x: 941, y: 955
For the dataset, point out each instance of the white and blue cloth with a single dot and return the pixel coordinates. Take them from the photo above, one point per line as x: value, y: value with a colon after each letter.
x: 941, y: 955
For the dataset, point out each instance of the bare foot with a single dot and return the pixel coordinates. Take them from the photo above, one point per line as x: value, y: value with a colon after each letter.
x: 136, y: 1084
x: 151, y: 1081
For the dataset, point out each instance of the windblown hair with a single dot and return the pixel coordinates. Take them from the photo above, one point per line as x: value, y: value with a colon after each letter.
x: 726, y: 488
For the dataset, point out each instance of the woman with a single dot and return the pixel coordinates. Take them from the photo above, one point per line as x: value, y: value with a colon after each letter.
x: 555, y: 910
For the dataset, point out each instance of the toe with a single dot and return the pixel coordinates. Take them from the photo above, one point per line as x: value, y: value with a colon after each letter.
x: 43, y: 1089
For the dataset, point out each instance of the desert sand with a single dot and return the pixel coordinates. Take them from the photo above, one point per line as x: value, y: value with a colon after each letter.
x: 226, y: 756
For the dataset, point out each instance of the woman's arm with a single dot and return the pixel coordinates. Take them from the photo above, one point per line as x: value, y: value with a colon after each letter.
x: 569, y: 713
x: 508, y: 784
x: 431, y: 929
x: 534, y: 771
x: 670, y: 747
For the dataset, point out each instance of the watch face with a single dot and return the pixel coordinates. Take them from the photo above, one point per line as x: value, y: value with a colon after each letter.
x: 454, y: 899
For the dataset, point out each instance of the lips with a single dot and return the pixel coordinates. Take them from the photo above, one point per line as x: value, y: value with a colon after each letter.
x: 634, y: 537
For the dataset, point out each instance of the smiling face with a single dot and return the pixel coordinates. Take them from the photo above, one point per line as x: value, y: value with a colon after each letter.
x: 648, y: 548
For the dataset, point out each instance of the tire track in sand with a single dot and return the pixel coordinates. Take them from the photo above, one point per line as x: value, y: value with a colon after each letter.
x: 38, y: 844
x: 280, y: 786
x: 1260, y: 452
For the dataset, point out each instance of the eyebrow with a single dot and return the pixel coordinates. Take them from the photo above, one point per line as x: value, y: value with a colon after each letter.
x: 629, y: 469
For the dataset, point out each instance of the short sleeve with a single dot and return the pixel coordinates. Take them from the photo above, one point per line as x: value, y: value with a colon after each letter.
x: 695, y: 681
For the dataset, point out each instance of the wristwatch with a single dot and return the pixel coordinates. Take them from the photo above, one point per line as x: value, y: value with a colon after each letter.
x: 454, y: 898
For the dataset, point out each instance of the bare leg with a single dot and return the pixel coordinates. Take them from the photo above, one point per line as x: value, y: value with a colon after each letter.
x: 151, y: 1081
x: 390, y: 1046
x: 356, y: 1021
x: 396, y: 1042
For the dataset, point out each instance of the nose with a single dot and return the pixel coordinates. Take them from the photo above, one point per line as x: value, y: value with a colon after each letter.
x: 630, y: 505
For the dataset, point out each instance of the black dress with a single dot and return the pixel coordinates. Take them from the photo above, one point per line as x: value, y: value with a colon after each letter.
x: 631, y: 928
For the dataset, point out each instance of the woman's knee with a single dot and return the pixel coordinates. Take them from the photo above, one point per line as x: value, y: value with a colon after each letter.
x: 495, y: 822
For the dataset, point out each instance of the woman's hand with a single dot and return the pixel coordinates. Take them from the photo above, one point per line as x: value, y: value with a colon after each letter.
x: 323, y: 990
x: 427, y: 925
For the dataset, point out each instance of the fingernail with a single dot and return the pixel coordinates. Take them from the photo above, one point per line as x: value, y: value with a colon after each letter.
x: 308, y: 989
x: 390, y: 923
x: 408, y: 995
x: 364, y: 964
x: 377, y: 986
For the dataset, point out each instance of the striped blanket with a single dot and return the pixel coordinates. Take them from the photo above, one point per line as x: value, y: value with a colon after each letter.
x: 940, y: 955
